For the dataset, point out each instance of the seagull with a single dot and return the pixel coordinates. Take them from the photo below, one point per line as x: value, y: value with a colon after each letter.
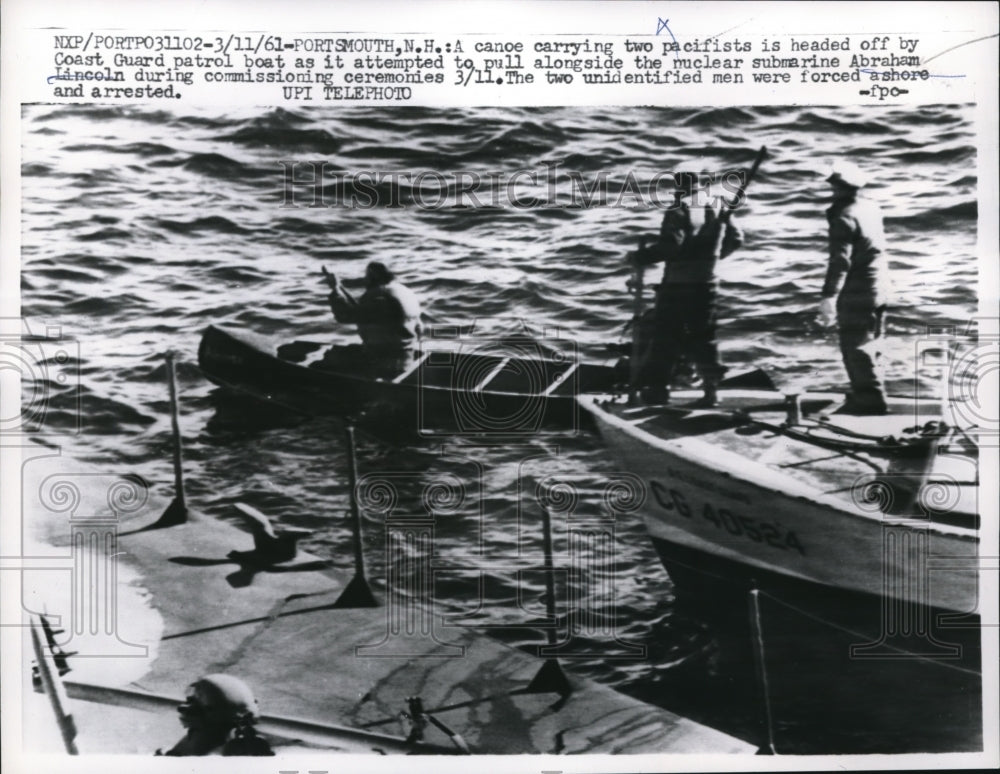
x: 270, y: 546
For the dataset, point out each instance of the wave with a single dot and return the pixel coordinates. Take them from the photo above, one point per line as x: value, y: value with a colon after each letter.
x: 102, y: 415
x: 225, y: 168
x: 209, y: 223
x: 937, y: 218
x: 36, y: 170
x: 285, y: 138
x: 242, y: 275
x: 96, y: 177
x: 108, y: 304
x: 942, y: 156
x: 409, y: 156
x: 68, y: 275
x: 106, y: 235
x: 728, y: 116
x: 299, y: 226
x: 522, y: 141
x: 812, y: 121
x: 141, y: 149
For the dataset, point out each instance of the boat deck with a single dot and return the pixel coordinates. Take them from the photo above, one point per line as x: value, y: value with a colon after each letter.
x: 186, y: 607
x: 826, y: 453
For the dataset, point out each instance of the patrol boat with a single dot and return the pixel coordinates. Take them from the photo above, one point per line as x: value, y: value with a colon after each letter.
x: 775, y: 492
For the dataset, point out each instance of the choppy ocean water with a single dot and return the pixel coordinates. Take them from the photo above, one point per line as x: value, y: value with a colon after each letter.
x: 141, y: 227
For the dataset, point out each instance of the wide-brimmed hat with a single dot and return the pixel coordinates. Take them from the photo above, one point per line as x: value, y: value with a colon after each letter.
x: 846, y: 173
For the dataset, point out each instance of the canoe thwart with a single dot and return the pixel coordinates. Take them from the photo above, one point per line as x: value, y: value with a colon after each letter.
x: 412, y: 369
x: 561, y: 379
x: 502, y: 364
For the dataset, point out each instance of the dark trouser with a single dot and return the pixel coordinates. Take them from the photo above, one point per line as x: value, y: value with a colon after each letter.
x: 860, y: 329
x: 684, y: 323
x: 363, y: 361
x: 388, y: 365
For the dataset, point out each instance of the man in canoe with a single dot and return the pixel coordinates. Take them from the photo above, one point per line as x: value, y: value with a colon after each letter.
x: 856, y: 287
x: 693, y: 238
x: 387, y: 316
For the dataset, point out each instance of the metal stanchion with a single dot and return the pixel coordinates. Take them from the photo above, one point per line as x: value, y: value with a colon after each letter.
x: 357, y: 593
x: 550, y: 678
x: 176, y: 512
x: 757, y: 633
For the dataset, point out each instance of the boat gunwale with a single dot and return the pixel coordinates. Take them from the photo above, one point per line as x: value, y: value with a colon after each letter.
x: 245, y: 339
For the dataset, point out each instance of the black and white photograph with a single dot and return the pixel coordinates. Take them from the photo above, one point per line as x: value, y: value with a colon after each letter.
x: 503, y: 430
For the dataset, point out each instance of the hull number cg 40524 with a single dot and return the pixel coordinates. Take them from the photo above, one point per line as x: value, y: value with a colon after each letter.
x: 769, y: 532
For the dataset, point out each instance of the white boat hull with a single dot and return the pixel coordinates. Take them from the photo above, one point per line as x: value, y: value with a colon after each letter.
x: 746, y: 513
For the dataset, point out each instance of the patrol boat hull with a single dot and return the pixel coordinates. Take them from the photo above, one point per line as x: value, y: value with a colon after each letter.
x: 736, y: 498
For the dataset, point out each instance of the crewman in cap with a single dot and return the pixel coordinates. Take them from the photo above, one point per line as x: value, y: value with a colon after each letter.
x: 694, y: 236
x: 856, y: 288
x: 219, y: 712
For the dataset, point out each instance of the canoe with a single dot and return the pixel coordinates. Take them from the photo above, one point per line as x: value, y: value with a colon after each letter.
x: 751, y: 494
x: 509, y: 385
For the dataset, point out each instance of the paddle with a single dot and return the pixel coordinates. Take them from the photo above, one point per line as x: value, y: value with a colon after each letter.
x: 729, y: 206
x: 330, y: 279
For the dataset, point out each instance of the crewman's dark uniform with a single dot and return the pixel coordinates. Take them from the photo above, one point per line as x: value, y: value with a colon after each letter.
x: 388, y: 320
x: 857, y: 275
x: 692, y: 241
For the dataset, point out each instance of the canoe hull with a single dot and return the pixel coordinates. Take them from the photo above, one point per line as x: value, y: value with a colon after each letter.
x: 494, y: 393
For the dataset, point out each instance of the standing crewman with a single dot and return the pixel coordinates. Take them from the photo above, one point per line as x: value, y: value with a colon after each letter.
x: 856, y: 288
x: 387, y: 316
x: 692, y: 240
